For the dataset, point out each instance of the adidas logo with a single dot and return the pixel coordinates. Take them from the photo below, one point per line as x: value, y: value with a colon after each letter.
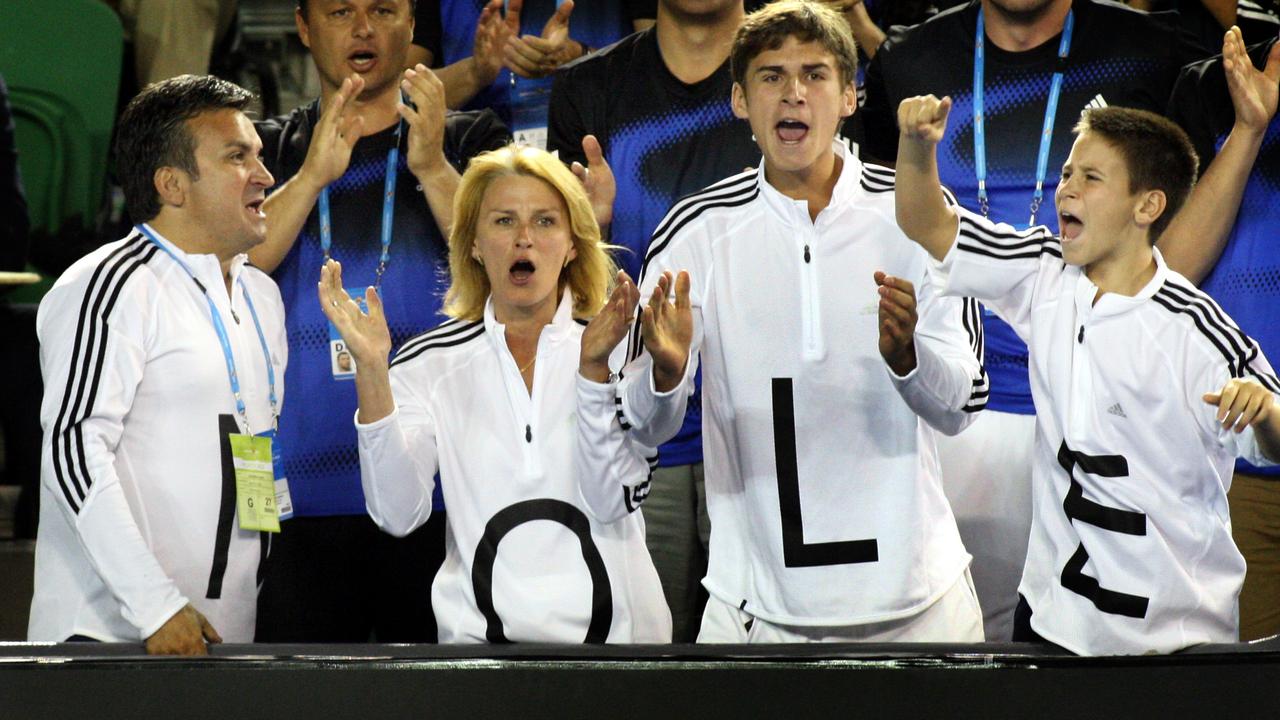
x: 1117, y: 411
x: 1097, y: 102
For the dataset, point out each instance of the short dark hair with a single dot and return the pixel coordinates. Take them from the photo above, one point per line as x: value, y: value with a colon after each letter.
x: 770, y: 26
x: 153, y: 133
x: 302, y: 7
x: 1157, y: 153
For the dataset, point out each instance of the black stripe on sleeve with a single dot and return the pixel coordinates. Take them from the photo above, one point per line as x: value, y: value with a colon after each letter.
x: 725, y: 188
x: 446, y: 329
x: 742, y: 194
x: 70, y: 465
x: 970, y: 317
x: 1236, y: 348
x: 622, y: 418
x: 993, y: 242
x: 877, y: 179
x: 417, y: 350
x: 1244, y: 345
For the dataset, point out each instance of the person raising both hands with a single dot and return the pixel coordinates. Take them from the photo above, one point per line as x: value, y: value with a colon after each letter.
x: 512, y: 401
x: 368, y: 174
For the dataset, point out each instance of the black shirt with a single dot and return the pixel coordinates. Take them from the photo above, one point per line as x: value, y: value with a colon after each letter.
x: 1118, y: 56
x: 663, y: 139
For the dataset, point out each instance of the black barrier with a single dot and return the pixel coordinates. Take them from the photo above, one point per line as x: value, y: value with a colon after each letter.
x: 520, y: 681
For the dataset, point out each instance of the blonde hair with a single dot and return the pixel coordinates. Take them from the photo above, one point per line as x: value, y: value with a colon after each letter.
x: 589, y: 275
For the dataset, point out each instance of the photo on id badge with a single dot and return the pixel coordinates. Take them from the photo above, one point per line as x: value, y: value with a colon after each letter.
x: 341, y: 363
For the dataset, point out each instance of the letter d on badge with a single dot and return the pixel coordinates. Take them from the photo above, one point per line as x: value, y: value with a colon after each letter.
x: 341, y: 362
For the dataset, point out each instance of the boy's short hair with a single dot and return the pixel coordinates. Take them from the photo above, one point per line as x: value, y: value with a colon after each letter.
x: 1157, y: 153
x: 770, y: 26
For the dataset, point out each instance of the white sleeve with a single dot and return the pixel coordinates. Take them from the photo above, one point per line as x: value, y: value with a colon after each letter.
x: 655, y: 417
x: 949, y: 386
x: 997, y: 264
x: 612, y: 467
x: 1211, y: 376
x: 399, y: 458
x: 93, y: 355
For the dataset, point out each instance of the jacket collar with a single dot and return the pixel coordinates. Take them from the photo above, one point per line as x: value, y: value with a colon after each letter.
x: 561, y: 323
x: 793, y: 211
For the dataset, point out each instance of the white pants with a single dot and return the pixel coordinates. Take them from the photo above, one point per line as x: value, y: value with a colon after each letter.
x: 986, y: 475
x: 954, y: 617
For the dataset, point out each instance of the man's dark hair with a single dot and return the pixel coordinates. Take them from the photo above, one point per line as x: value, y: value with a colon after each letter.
x: 302, y: 7
x: 770, y: 26
x: 1157, y: 153
x: 153, y: 133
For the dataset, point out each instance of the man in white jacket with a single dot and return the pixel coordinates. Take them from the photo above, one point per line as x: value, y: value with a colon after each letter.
x: 160, y: 352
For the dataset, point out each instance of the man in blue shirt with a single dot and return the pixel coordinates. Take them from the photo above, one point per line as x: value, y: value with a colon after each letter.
x: 332, y: 575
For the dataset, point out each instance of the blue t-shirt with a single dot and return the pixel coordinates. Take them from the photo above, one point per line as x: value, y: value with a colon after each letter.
x: 1246, y: 279
x: 1118, y: 56
x: 595, y: 23
x: 317, y: 432
x: 663, y: 139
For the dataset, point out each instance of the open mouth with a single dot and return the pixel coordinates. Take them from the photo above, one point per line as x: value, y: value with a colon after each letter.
x: 521, y: 272
x: 791, y: 131
x: 362, y: 60
x: 1069, y: 226
x: 255, y: 207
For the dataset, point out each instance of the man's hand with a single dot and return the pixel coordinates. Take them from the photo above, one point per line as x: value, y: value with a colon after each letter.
x: 183, y: 634
x: 897, y: 323
x: 607, y: 329
x: 426, y: 120
x: 534, y: 56
x: 1254, y: 92
x: 336, y: 133
x: 365, y: 333
x: 487, y: 47
x: 597, y: 179
x: 923, y: 119
x: 1243, y: 402
x: 668, y: 330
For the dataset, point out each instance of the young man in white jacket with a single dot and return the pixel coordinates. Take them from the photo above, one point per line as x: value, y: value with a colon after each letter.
x: 821, y: 396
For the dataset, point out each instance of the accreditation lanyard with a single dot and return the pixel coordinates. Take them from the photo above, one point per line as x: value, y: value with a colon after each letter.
x: 388, y: 211
x: 1051, y: 110
x: 221, y: 330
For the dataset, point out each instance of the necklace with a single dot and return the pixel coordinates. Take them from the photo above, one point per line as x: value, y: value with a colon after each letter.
x: 529, y: 364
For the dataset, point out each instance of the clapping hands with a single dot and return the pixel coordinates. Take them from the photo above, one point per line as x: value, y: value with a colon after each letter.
x: 607, y: 329
x: 667, y: 329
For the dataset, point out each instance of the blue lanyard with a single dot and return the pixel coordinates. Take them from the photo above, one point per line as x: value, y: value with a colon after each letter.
x: 1050, y: 111
x: 221, y: 329
x: 388, y: 211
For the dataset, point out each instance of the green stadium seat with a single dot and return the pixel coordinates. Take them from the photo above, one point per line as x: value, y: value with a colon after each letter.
x: 61, y: 61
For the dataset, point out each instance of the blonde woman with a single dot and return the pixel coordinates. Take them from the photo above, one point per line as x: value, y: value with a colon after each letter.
x: 513, y: 403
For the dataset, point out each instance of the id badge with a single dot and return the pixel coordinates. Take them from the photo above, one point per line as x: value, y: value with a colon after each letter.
x: 255, y: 482
x: 284, y: 501
x: 341, y: 362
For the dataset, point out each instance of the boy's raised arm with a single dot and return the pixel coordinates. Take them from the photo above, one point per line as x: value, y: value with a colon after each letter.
x: 922, y: 210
